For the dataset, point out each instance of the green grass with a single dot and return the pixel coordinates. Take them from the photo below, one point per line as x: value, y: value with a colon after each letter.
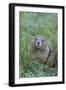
x: 30, y: 25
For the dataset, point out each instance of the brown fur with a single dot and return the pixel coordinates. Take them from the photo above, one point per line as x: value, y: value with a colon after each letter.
x: 42, y: 52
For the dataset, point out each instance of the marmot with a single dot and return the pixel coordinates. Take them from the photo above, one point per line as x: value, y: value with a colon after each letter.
x: 42, y: 51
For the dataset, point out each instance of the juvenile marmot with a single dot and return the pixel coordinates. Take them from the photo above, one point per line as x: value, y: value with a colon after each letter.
x: 42, y: 51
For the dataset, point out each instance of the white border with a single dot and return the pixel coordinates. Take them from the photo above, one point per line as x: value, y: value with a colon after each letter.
x: 37, y: 79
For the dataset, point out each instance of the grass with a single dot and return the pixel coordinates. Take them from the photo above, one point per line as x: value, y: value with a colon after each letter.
x: 30, y: 25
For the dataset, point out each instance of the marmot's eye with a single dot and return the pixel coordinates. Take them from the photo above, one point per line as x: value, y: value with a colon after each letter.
x: 43, y: 40
x: 35, y: 39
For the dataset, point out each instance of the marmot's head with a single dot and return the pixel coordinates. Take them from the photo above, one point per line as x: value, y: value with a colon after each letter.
x: 39, y: 42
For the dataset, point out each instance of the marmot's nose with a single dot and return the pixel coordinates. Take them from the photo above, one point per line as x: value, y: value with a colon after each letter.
x: 38, y: 42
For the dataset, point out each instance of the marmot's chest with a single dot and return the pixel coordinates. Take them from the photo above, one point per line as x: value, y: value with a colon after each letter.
x: 40, y: 54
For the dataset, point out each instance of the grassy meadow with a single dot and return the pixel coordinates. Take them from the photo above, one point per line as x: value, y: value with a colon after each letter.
x: 30, y: 25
